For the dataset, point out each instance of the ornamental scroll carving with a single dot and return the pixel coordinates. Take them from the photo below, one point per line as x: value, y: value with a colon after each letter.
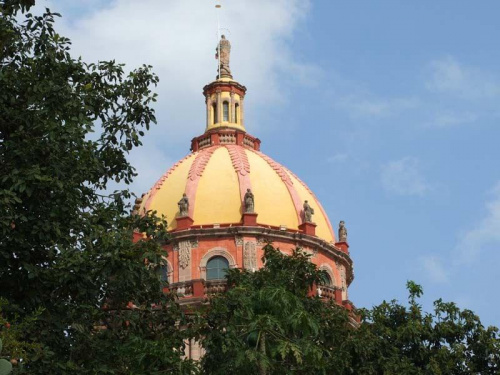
x: 250, y: 256
x: 343, y: 278
x: 262, y: 240
x: 184, y: 254
x: 238, y: 240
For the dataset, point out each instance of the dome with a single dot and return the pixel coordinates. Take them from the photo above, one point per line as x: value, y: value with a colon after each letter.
x: 215, y: 180
x: 226, y: 200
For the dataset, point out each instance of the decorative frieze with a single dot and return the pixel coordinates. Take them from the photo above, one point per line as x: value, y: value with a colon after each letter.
x: 184, y: 254
x: 250, y: 256
x: 261, y: 240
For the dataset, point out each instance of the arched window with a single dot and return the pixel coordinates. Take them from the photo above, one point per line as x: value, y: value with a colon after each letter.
x: 217, y: 268
x: 225, y: 111
x: 214, y: 114
x: 236, y: 109
x: 162, y: 271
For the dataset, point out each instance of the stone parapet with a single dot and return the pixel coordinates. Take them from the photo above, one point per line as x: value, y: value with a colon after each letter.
x: 225, y: 136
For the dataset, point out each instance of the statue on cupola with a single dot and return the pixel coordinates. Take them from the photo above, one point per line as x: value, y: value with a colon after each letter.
x: 223, y: 52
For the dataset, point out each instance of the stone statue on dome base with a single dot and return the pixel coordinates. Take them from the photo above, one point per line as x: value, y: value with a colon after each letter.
x: 249, y: 202
x: 308, y: 212
x: 342, y: 232
x: 183, y: 206
x: 223, y: 52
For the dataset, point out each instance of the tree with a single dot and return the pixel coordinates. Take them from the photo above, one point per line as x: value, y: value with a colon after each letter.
x: 398, y: 339
x: 67, y: 255
x: 267, y: 322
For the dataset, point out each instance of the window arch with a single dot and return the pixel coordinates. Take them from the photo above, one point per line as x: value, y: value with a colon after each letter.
x: 214, y: 114
x: 225, y: 111
x: 329, y: 275
x: 217, y: 268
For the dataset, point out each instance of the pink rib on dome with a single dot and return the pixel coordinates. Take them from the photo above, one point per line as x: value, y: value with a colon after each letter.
x: 241, y: 166
x: 195, y: 173
x: 152, y: 192
x: 280, y: 171
x: 317, y: 202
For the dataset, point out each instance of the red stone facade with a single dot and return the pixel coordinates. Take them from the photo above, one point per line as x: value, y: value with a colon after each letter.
x: 190, y: 249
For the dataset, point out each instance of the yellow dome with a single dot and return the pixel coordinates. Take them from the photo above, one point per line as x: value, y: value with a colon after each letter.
x: 215, y: 180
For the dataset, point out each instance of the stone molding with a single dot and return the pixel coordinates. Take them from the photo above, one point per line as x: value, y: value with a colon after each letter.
x: 263, y: 234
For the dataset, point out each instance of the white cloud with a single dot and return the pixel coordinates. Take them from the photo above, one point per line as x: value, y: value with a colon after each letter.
x: 486, y: 232
x: 178, y: 38
x: 434, y: 269
x: 450, y: 118
x: 404, y: 177
x: 337, y: 158
x: 362, y: 105
x: 451, y: 77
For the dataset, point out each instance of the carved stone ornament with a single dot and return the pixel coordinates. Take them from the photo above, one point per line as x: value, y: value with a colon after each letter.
x: 249, y: 202
x: 261, y: 240
x: 308, y: 212
x: 184, y: 254
x: 343, y: 278
x: 342, y: 232
x: 194, y: 243
x: 238, y: 240
x: 250, y: 256
x: 183, y: 206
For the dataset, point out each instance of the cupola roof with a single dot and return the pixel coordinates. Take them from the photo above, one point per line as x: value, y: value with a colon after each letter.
x: 225, y: 161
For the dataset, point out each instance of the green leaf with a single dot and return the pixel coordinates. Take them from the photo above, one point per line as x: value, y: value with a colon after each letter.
x: 5, y: 367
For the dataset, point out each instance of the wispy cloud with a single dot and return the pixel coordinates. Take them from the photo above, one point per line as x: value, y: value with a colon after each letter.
x: 453, y: 118
x: 404, y: 177
x: 179, y: 38
x: 337, y: 158
x: 450, y: 76
x: 364, y: 105
x: 486, y: 231
x: 180, y: 44
x: 433, y: 267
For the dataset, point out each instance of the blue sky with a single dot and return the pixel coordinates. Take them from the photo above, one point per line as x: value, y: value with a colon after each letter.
x: 389, y: 110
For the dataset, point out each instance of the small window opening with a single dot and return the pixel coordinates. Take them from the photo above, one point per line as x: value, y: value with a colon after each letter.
x: 327, y: 281
x: 214, y: 114
x: 162, y: 272
x: 236, y: 110
x: 217, y: 268
x: 225, y: 111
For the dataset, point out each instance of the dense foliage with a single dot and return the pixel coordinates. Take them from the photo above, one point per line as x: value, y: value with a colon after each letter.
x: 68, y: 265
x: 79, y: 296
x: 268, y: 323
x: 398, y: 339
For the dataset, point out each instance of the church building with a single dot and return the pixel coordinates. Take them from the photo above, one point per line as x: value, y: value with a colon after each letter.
x: 226, y: 199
